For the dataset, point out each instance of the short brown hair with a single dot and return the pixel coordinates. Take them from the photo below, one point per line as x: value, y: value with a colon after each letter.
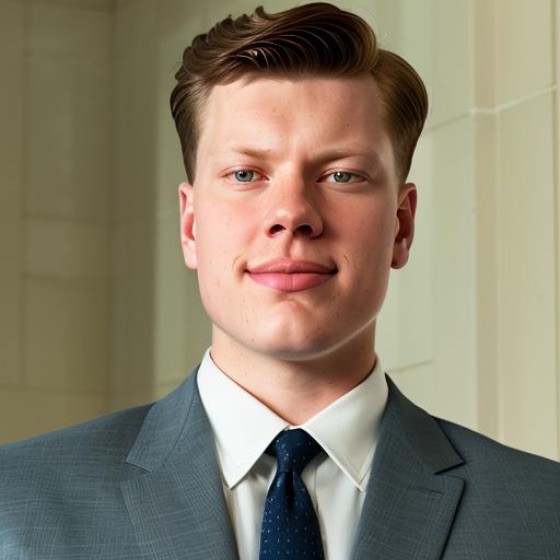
x: 313, y: 39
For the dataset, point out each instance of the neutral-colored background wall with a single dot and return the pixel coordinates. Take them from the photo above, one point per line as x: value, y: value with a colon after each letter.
x: 97, y: 309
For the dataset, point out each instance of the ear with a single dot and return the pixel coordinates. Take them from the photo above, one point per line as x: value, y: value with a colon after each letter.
x: 188, y: 224
x: 404, y: 227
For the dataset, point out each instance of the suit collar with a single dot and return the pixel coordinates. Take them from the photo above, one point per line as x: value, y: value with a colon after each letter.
x: 412, y: 493
x: 177, y: 507
x: 165, y: 427
x: 420, y: 431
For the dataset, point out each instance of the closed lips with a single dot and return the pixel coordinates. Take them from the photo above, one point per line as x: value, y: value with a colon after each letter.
x: 288, y: 266
x: 291, y: 276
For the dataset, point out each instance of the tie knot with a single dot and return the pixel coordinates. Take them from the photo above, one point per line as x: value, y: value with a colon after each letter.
x: 293, y: 449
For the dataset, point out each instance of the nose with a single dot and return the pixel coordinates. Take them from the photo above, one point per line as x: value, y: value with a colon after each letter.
x: 292, y: 210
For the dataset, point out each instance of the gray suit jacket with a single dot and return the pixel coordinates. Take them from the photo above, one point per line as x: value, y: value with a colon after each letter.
x: 144, y: 484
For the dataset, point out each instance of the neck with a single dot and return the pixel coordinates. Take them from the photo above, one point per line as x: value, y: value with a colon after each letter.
x: 296, y: 389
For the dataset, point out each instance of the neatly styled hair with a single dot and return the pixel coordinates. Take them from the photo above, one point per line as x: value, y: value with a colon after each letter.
x: 316, y: 39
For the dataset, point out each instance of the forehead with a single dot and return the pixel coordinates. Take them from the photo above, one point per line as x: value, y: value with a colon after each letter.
x: 333, y: 110
x: 304, y: 93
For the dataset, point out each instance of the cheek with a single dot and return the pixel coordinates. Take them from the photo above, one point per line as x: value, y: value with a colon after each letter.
x: 215, y: 227
x: 369, y: 253
x: 221, y: 240
x: 371, y: 236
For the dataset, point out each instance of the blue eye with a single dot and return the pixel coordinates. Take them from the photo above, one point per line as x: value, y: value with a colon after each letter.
x: 244, y: 176
x: 343, y: 176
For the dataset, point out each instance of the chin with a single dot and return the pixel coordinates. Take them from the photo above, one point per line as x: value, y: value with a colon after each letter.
x: 296, y: 350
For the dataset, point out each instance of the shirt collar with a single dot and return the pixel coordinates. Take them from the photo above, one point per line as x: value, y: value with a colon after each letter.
x: 243, y: 427
x: 348, y: 429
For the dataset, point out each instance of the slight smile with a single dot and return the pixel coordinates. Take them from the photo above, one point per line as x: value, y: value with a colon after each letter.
x: 288, y: 275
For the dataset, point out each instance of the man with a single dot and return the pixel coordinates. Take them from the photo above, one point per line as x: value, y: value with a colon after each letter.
x: 288, y: 441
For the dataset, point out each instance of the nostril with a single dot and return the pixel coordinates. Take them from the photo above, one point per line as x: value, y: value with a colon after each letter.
x: 276, y: 228
x: 305, y: 229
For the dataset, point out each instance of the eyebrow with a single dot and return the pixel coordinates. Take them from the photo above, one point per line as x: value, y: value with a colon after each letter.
x: 327, y: 155
x: 246, y: 151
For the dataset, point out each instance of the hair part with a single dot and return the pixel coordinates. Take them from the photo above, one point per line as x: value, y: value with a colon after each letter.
x: 316, y: 39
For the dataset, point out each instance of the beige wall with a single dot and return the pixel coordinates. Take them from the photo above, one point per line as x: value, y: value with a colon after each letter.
x: 160, y: 328
x: 100, y: 311
x: 55, y: 213
x: 515, y: 103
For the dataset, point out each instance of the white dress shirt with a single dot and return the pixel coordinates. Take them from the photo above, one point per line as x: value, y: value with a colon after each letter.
x: 243, y: 427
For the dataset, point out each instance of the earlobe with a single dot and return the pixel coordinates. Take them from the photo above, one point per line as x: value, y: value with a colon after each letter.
x: 188, y: 224
x: 404, y: 233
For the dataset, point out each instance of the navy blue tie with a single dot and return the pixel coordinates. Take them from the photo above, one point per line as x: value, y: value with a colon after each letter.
x: 290, y: 529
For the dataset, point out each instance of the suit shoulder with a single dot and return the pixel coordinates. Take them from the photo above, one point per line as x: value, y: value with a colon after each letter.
x: 104, y: 440
x: 59, y: 490
x: 485, y: 455
x: 510, y: 500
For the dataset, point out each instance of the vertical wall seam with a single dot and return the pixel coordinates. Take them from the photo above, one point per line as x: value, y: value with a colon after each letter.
x: 497, y: 228
x: 24, y: 188
x: 111, y: 218
x: 556, y: 227
x: 116, y: 230
x: 485, y: 371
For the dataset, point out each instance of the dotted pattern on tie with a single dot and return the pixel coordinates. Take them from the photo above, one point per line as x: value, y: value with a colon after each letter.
x: 290, y: 529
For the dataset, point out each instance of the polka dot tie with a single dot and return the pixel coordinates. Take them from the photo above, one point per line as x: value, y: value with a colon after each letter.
x: 290, y: 529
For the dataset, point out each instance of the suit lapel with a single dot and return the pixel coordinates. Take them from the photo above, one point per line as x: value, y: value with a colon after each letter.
x: 177, y: 507
x: 412, y: 495
x: 177, y: 504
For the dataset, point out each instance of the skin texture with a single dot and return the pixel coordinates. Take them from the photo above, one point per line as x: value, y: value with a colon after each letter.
x: 301, y: 170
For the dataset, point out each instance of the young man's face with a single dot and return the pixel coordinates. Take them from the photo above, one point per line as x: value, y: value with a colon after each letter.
x: 296, y: 215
